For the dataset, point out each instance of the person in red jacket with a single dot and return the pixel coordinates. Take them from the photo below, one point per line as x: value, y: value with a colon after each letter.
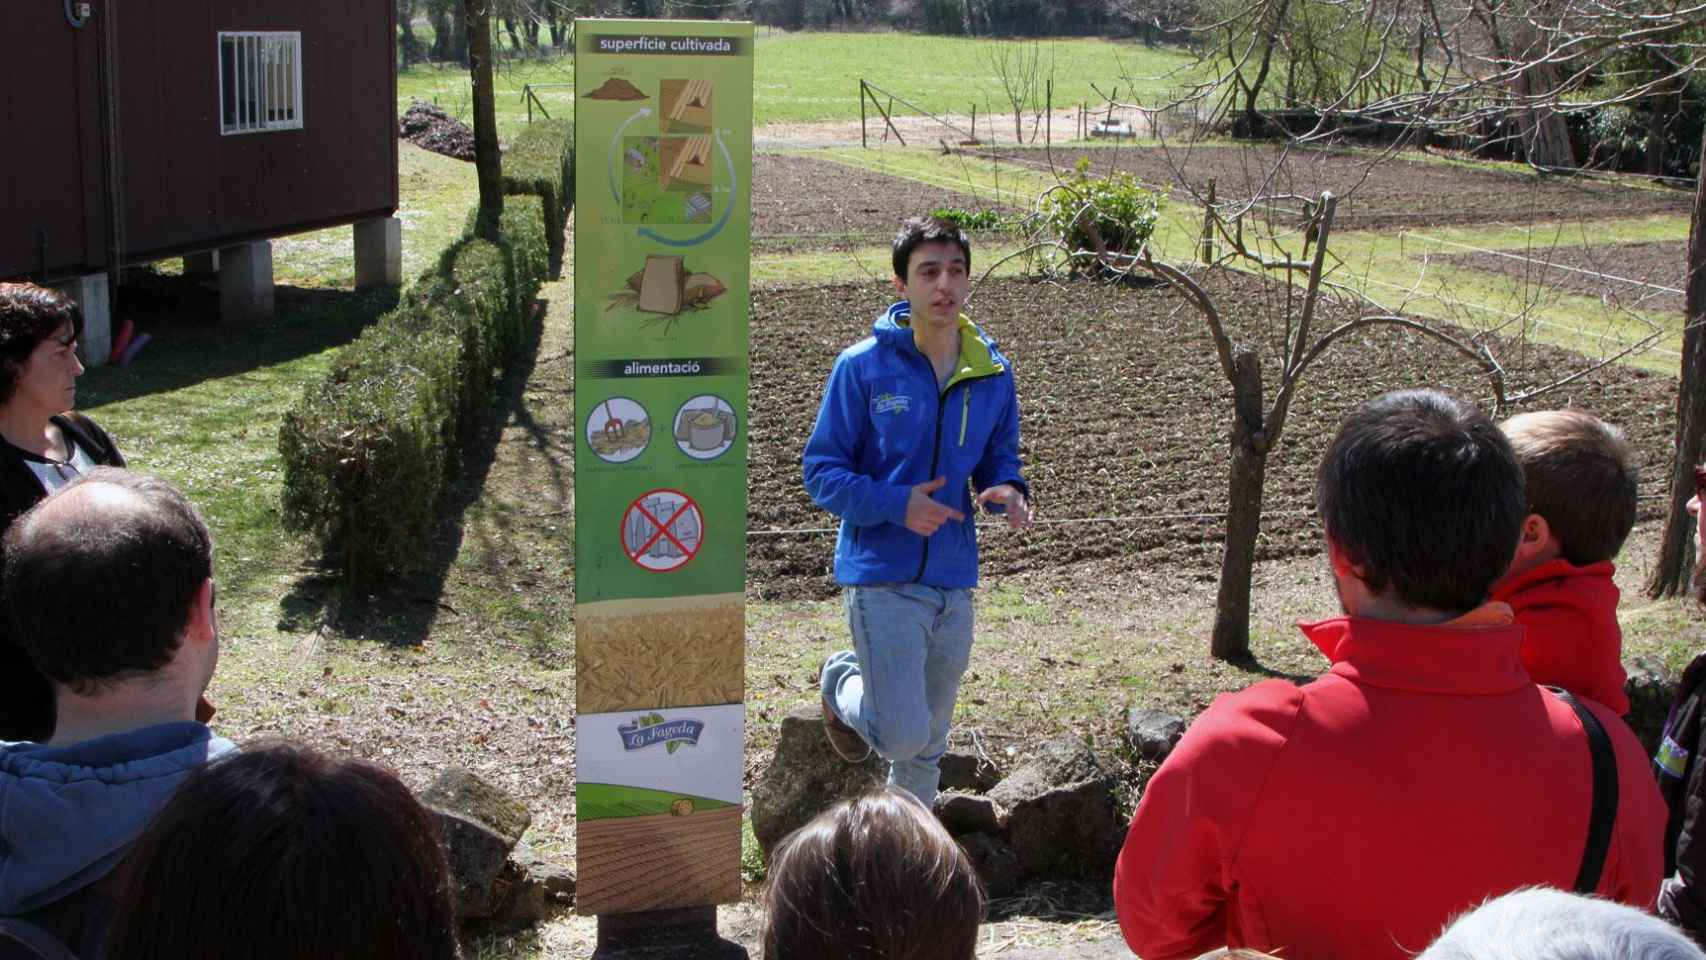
x: 1425, y: 772
x: 1581, y: 506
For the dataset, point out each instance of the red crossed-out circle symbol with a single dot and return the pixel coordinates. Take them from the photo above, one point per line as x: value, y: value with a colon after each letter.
x: 662, y: 530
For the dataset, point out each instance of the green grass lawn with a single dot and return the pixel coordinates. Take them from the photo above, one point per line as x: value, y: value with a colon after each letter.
x: 815, y: 76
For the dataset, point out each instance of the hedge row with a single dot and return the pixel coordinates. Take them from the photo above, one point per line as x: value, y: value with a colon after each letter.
x: 369, y: 450
x: 541, y: 161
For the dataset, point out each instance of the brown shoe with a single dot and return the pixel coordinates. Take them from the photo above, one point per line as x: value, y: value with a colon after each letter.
x: 844, y: 740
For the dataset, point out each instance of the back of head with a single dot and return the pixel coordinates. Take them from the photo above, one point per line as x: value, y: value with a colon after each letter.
x: 28, y: 315
x: 1422, y: 492
x: 284, y: 854
x: 1576, y: 469
x: 100, y: 577
x: 1544, y: 924
x: 872, y: 878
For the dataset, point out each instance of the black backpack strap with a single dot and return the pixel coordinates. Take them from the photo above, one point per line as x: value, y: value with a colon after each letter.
x: 19, y: 938
x: 1603, y: 813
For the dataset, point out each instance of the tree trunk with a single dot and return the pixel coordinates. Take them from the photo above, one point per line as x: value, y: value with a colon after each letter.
x: 1676, y: 547
x: 1656, y: 124
x: 488, y: 162
x: 441, y: 18
x: 458, y: 50
x: 1250, y: 117
x: 1545, y: 138
x: 1231, y: 637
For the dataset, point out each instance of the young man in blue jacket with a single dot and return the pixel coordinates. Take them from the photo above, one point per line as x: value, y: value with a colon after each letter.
x: 914, y: 419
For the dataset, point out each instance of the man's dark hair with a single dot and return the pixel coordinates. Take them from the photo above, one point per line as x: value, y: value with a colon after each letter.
x: 925, y: 230
x: 1576, y: 470
x: 100, y: 582
x: 284, y: 854
x: 28, y: 315
x: 1424, y: 493
x: 874, y: 876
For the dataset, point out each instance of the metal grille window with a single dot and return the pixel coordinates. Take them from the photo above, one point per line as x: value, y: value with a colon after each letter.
x: 260, y: 81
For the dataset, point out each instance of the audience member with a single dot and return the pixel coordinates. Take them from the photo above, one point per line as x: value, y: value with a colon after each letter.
x: 1542, y: 924
x: 42, y: 446
x: 284, y: 854
x: 872, y: 878
x: 1425, y: 772
x: 1581, y: 506
x: 1682, y: 778
x: 110, y: 582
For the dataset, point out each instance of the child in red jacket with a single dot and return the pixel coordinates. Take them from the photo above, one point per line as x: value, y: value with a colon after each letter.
x: 1581, y: 502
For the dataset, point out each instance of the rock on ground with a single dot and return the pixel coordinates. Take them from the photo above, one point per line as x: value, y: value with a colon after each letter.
x: 804, y: 777
x: 480, y: 825
x: 1062, y: 818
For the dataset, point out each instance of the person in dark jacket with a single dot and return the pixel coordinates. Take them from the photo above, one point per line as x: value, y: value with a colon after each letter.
x: 43, y: 445
x: 1682, y: 778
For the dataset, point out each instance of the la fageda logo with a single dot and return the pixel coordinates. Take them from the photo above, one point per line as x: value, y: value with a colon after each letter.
x: 889, y: 403
x: 651, y: 729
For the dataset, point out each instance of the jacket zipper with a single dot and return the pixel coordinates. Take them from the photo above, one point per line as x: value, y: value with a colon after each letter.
x: 936, y: 447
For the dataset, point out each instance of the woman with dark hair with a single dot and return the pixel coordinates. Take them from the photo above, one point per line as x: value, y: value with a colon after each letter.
x: 43, y: 446
x: 284, y: 854
x: 872, y: 878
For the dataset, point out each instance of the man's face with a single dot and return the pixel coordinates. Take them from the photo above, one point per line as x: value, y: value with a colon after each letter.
x: 936, y: 283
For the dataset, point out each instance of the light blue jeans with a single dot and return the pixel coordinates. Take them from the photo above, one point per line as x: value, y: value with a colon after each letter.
x: 897, y: 686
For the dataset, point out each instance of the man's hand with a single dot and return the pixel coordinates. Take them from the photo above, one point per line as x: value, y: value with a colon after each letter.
x: 924, y: 515
x: 1018, y: 510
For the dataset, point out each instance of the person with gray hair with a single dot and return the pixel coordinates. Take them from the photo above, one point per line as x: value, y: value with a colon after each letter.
x: 1539, y: 923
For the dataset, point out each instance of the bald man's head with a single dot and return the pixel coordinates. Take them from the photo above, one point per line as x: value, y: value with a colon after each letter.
x: 100, y: 577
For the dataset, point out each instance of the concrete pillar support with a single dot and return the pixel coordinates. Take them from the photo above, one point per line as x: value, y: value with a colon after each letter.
x: 90, y: 292
x: 245, y: 283
x: 379, y: 252
x: 203, y: 264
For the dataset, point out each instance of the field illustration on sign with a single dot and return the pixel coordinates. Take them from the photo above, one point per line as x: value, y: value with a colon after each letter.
x: 618, y: 430
x: 651, y: 820
x: 617, y: 88
x: 662, y: 530
x: 666, y: 288
x: 685, y: 106
x: 666, y: 180
x: 705, y: 427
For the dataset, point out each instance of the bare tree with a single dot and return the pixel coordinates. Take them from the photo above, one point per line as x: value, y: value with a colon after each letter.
x: 1020, y: 70
x: 1485, y: 73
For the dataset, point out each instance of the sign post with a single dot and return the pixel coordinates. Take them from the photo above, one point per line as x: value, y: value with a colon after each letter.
x: 663, y: 160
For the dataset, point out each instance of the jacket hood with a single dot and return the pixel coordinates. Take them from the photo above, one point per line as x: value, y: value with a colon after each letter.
x: 68, y: 814
x: 979, y: 357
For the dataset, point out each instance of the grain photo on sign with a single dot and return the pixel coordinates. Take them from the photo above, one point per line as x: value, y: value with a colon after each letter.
x: 640, y: 654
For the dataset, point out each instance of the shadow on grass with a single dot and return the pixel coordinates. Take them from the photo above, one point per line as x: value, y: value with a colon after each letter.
x: 403, y: 613
x: 190, y: 346
x: 1249, y: 664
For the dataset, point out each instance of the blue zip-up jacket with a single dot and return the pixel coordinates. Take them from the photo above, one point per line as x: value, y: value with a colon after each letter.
x: 69, y: 814
x: 884, y: 427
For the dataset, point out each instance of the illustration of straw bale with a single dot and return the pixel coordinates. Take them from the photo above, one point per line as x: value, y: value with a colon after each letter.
x: 686, y: 105
x: 697, y: 290
x: 684, y: 163
x: 663, y: 284
x: 617, y: 88
x: 645, y: 654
